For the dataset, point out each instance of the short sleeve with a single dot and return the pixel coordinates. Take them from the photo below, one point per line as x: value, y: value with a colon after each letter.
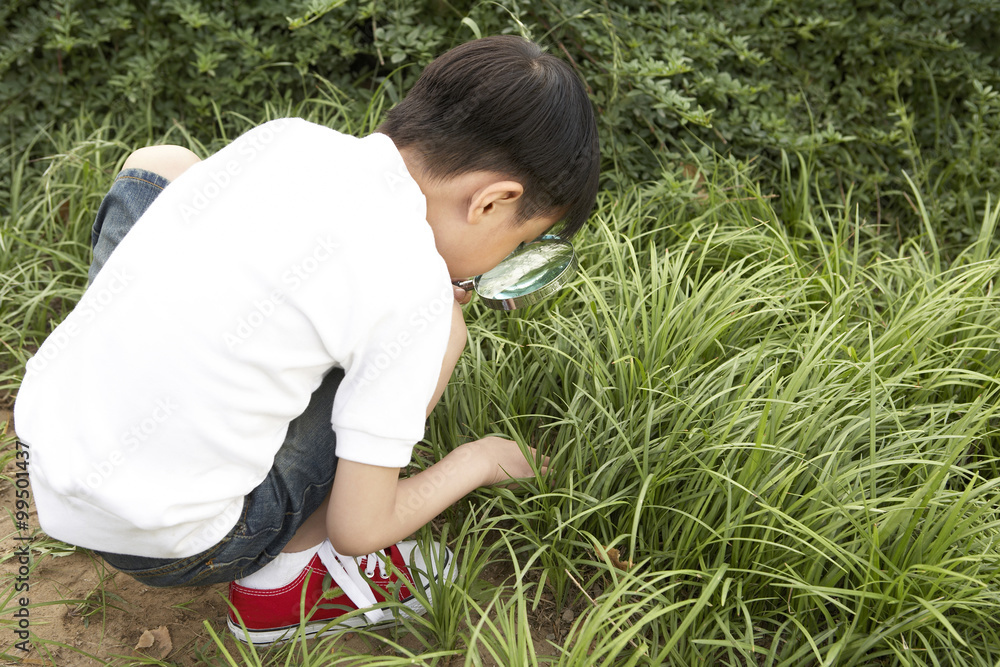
x: 380, y: 408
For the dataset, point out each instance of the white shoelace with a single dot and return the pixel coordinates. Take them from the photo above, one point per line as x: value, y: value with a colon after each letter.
x: 373, y: 560
x: 346, y: 573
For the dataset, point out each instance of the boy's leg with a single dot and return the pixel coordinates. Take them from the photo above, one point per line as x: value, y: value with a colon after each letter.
x: 167, y: 161
x: 143, y: 176
x: 274, y: 591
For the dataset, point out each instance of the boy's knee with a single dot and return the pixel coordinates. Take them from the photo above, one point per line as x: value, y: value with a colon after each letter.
x: 168, y: 161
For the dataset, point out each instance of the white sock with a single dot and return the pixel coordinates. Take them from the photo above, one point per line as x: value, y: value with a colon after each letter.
x: 281, y: 571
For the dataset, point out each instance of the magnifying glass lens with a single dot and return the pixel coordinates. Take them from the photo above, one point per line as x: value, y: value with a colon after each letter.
x: 525, y: 271
x: 527, y: 275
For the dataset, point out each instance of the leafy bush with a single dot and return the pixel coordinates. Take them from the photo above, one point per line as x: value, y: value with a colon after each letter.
x: 861, y: 91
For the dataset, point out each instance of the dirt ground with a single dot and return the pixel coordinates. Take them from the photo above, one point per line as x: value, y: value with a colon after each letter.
x: 81, y: 609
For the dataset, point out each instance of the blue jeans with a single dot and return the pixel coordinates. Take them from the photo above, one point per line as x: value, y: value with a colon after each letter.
x: 303, y: 468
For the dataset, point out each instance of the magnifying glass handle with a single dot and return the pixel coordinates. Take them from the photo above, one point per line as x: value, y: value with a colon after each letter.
x: 467, y: 285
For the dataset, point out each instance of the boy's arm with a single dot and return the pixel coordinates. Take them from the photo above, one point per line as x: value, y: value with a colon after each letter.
x: 371, y: 508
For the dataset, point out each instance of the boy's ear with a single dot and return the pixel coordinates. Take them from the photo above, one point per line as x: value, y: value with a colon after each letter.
x: 495, y: 201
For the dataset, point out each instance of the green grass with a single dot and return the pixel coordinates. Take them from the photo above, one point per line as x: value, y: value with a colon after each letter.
x: 793, y: 434
x: 790, y: 430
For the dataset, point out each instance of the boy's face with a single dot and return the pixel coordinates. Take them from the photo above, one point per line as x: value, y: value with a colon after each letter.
x: 474, y: 218
x: 478, y: 248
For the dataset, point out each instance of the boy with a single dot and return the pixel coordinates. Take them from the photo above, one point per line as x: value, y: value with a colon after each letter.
x: 231, y: 400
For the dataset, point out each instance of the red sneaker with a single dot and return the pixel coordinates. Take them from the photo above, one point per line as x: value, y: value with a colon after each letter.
x: 334, y: 586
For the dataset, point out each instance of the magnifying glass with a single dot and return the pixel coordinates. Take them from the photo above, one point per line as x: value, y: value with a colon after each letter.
x: 526, y: 276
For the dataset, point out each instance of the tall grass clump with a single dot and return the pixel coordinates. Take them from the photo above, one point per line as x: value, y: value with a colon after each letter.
x: 790, y: 433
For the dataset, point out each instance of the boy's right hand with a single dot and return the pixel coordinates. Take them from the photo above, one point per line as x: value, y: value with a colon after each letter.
x: 502, y: 461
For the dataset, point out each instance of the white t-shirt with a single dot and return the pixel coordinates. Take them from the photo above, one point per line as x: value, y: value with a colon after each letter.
x: 161, y: 400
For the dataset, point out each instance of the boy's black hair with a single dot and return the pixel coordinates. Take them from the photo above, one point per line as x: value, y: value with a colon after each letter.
x: 502, y: 104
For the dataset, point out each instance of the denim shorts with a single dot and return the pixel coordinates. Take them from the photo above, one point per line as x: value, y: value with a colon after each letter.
x: 303, y: 468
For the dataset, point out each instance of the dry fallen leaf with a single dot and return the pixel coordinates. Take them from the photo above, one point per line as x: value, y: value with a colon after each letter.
x: 160, y: 638
x: 163, y: 639
x: 146, y: 640
x: 614, y: 556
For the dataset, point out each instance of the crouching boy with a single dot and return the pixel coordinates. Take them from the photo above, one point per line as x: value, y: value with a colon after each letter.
x: 234, y: 396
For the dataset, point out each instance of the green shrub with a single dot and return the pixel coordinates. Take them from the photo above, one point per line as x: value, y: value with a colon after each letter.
x: 861, y: 91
